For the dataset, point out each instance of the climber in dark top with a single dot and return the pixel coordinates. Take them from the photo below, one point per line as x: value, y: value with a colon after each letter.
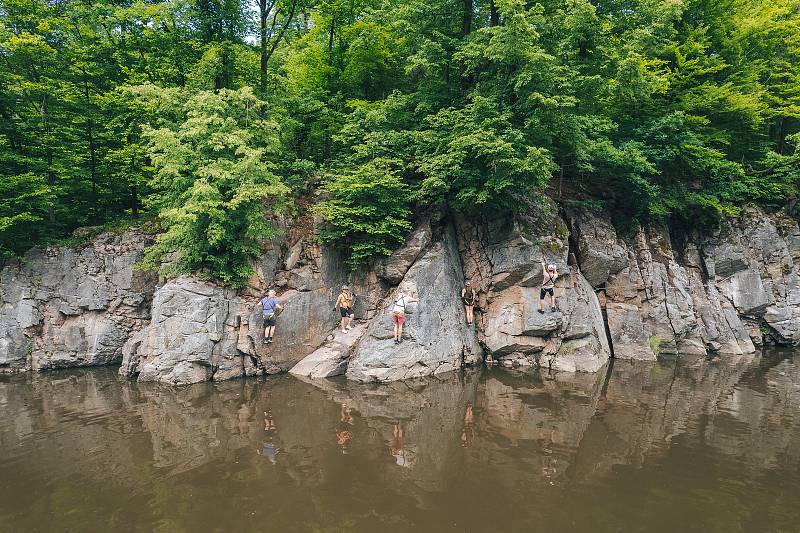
x: 468, y: 296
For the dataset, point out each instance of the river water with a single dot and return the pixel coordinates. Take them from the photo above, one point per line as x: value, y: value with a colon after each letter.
x: 672, y: 446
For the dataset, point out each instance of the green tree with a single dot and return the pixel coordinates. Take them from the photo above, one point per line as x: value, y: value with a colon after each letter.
x: 214, y: 184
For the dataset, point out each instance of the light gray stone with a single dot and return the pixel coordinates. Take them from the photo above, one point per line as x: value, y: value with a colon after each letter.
x: 435, y: 334
x: 331, y: 358
x: 599, y: 253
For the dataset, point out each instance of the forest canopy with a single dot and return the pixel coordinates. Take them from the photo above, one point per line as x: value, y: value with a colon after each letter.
x: 210, y: 116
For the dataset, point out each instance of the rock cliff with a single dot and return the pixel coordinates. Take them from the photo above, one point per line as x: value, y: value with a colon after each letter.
x: 646, y: 293
x: 68, y: 307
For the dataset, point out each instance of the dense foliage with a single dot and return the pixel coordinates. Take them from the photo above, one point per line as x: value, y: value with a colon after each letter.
x: 210, y: 116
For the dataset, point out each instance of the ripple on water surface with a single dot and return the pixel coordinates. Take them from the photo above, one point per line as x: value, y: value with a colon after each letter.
x: 669, y: 446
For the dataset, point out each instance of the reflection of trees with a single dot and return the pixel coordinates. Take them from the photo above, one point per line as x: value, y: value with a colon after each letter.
x: 532, y: 439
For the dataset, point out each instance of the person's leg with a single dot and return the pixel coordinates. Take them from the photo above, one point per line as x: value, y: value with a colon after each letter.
x: 350, y: 320
x: 541, y: 300
x: 400, y: 330
x: 553, y: 299
x: 469, y: 314
x: 341, y: 323
x: 271, y: 330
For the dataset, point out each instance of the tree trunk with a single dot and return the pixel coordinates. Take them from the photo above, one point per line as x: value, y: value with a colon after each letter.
x: 51, y: 176
x: 262, y: 4
x: 92, y: 148
x: 494, y: 15
x: 466, y: 26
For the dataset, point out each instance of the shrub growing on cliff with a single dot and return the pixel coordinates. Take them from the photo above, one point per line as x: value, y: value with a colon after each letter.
x: 214, y: 182
x: 367, y: 211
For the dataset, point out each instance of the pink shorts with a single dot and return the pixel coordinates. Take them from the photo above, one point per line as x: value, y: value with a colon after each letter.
x: 398, y: 318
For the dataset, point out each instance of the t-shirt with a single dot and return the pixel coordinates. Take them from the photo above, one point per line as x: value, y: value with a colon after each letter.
x: 269, y: 304
x: 399, y: 305
x: 549, y: 280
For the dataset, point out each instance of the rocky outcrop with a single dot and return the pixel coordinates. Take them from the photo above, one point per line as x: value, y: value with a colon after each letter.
x: 67, y: 307
x: 331, y: 358
x: 714, y: 294
x: 436, y: 338
x: 201, y: 331
x: 504, y: 261
x: 651, y: 292
x: 753, y: 262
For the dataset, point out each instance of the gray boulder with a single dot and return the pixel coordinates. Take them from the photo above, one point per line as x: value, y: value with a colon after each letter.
x: 436, y: 337
x: 331, y: 358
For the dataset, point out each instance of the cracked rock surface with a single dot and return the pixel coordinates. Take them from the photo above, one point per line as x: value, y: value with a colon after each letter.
x: 66, y: 307
x: 436, y: 338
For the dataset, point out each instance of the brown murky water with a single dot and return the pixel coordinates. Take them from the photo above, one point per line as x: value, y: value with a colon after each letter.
x: 649, y: 447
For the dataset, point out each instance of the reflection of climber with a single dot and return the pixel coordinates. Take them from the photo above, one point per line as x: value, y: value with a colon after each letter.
x: 269, y: 449
x: 468, y: 297
x: 549, y: 470
x: 548, y: 285
x: 343, y: 434
x: 271, y: 307
x: 468, y: 431
x: 399, y: 315
x: 344, y: 303
x: 398, y: 447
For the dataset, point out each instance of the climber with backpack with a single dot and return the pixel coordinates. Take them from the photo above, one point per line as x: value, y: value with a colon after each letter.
x: 399, y: 314
x: 344, y: 304
x: 271, y: 307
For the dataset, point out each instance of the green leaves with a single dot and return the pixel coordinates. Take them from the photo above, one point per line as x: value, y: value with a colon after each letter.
x: 214, y: 184
x: 367, y: 211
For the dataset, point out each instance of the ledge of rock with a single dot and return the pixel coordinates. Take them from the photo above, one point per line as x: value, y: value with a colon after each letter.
x: 331, y: 358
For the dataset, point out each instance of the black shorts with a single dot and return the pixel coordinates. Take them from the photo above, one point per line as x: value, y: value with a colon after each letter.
x: 269, y: 320
x: 345, y: 312
x: 545, y: 291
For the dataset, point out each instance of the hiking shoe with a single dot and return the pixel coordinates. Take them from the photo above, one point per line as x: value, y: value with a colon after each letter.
x: 269, y: 340
x: 553, y: 308
x: 541, y: 311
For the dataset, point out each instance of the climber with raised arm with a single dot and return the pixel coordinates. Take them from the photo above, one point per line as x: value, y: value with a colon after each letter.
x: 549, y: 276
x: 270, y: 306
x: 344, y: 304
x: 401, y: 302
x: 468, y: 296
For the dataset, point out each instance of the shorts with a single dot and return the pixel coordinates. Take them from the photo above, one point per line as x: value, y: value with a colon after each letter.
x: 269, y: 320
x: 398, y: 318
x: 545, y: 291
x: 345, y: 312
x: 468, y: 303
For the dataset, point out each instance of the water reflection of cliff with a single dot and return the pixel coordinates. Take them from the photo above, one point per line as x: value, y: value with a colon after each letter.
x: 331, y: 448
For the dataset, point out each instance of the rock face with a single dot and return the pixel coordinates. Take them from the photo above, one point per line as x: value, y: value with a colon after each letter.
x: 200, y: 331
x: 436, y: 337
x: 64, y: 307
x: 754, y: 264
x: 717, y: 293
x: 331, y: 358
x: 505, y: 263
